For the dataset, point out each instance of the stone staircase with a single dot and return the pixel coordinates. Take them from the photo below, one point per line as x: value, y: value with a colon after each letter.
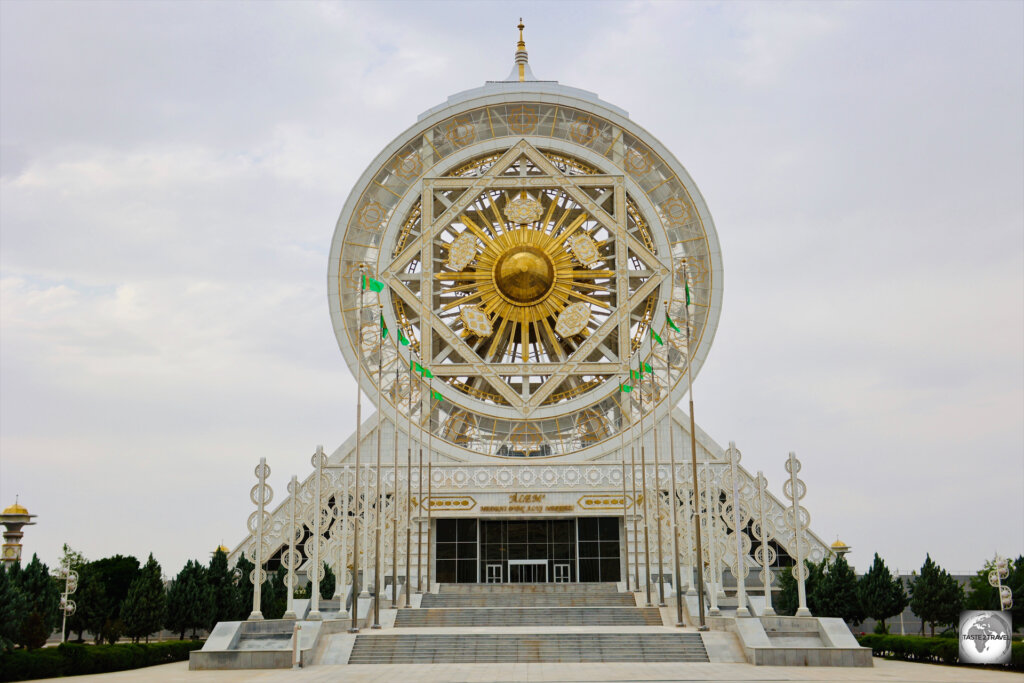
x: 508, y: 648
x: 528, y: 616
x: 479, y: 623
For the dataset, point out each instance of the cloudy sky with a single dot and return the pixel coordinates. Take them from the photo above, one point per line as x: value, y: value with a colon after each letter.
x: 172, y: 174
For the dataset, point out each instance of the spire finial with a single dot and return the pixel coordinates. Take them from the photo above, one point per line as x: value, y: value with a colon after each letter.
x: 521, y: 63
x: 522, y: 58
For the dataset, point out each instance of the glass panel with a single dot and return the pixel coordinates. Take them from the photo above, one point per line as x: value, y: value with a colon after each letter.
x: 517, y: 551
x: 538, y: 532
x: 561, y: 551
x: 446, y: 571
x: 492, y: 532
x: 467, y: 551
x: 609, y: 528
x: 446, y: 551
x: 589, y: 549
x: 588, y: 528
x: 589, y: 570
x: 517, y: 532
x: 445, y: 531
x: 467, y: 571
x: 538, y: 551
x: 467, y: 530
x: 610, y: 570
x: 561, y: 531
x: 610, y: 549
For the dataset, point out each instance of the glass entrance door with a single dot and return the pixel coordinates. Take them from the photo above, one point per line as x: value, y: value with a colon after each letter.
x: 561, y: 572
x: 527, y: 571
x: 493, y: 573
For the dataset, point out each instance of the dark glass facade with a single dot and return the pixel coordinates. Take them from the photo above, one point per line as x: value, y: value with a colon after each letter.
x: 526, y: 551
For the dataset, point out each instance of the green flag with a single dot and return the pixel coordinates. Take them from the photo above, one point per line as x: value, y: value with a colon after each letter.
x: 414, y: 366
x: 672, y: 324
x: 375, y: 285
x: 436, y: 395
x: 625, y: 388
x: 633, y: 374
x: 655, y: 337
x: 426, y: 373
x: 383, y: 329
x: 649, y: 368
x: 687, y: 285
x: 402, y: 338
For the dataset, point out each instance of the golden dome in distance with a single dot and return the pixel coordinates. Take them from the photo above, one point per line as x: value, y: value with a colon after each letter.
x: 223, y: 548
x: 15, y: 509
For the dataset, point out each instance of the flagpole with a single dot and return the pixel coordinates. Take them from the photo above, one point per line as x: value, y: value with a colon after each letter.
x: 430, y: 483
x: 632, y: 481
x: 408, y: 496
x: 419, y: 498
x: 394, y: 495
x: 675, y: 491
x: 657, y: 488
x: 359, y: 434
x: 693, y: 456
x: 643, y: 484
x: 622, y: 459
x: 377, y: 500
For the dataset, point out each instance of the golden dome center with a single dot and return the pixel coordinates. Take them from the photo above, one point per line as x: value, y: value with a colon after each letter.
x: 524, y: 274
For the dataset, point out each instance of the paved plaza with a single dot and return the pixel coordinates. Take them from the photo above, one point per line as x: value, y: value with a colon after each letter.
x: 883, y: 670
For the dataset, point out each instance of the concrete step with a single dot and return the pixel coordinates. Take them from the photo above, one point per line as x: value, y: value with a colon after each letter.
x: 550, y: 647
x: 518, y: 616
x: 505, y: 599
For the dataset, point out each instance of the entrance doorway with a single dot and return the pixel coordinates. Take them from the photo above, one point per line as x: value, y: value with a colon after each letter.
x: 527, y: 571
x: 557, y: 550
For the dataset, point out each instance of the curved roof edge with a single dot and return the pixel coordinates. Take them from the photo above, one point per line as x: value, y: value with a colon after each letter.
x: 520, y: 88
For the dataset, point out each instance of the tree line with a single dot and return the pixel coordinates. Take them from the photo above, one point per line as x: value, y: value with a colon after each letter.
x: 933, y: 595
x: 119, y: 597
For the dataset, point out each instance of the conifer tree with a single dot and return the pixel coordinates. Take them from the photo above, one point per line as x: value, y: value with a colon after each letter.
x: 881, y: 594
x: 145, y: 607
x: 836, y: 593
x: 243, y: 588
x: 224, y: 593
x: 189, y: 600
x: 327, y: 583
x: 935, y: 596
x: 12, y: 611
x: 92, y: 602
x: 42, y: 599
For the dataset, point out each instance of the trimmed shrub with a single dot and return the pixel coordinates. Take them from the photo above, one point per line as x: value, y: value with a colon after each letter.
x: 928, y: 650
x: 72, y: 659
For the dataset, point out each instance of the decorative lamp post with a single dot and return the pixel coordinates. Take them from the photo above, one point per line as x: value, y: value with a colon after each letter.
x: 797, y: 520
x: 1001, y: 570
x: 261, y: 494
x: 738, y: 544
x: 67, y: 607
x: 765, y: 554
